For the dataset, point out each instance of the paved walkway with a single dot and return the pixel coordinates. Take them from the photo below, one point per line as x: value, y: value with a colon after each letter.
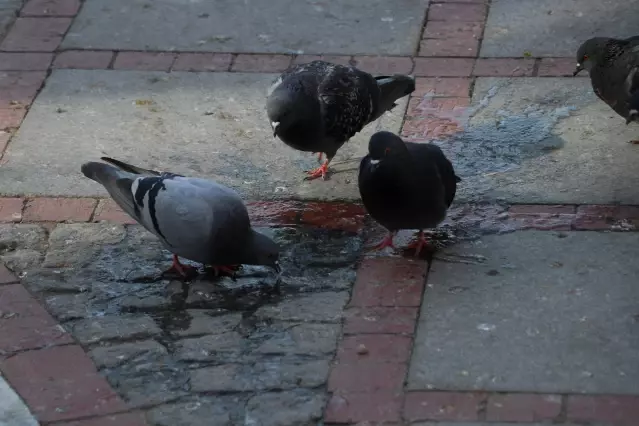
x: 526, y: 315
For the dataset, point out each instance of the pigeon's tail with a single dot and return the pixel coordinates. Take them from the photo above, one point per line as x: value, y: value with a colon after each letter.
x: 392, y: 88
x: 130, y: 168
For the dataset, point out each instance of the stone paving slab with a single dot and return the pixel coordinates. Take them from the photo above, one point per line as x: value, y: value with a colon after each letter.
x: 354, y: 27
x: 492, y: 424
x: 544, y: 140
x: 201, y: 124
x: 531, y: 311
x: 8, y: 10
x: 553, y: 27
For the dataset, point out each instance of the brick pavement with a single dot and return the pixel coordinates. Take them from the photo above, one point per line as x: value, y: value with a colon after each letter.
x: 51, y: 371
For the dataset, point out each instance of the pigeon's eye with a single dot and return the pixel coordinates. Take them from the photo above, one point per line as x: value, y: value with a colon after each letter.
x: 585, y: 57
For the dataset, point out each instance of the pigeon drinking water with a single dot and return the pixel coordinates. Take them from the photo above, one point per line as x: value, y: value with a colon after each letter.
x: 194, y: 218
x: 317, y: 107
x: 406, y: 185
x: 612, y: 65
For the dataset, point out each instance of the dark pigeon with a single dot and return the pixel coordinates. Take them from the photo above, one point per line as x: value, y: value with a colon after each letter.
x: 319, y: 106
x: 612, y: 65
x: 406, y: 185
x: 198, y: 219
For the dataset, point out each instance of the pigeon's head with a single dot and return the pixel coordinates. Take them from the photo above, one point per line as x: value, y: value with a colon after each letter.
x: 590, y: 53
x: 386, y: 145
x: 392, y: 88
x: 289, y: 112
x: 264, y: 251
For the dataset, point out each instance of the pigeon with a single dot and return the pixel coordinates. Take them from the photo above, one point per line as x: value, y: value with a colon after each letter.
x: 613, y: 65
x: 405, y: 185
x: 319, y: 106
x: 197, y: 219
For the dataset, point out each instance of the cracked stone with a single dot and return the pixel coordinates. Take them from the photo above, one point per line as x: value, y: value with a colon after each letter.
x: 67, y: 307
x: 115, y: 355
x: 20, y: 261
x: 76, y: 244
x: 207, y: 347
x: 218, y: 411
x: 271, y: 374
x: 299, y: 407
x: 165, y: 382
x: 22, y: 237
x: 303, y: 339
x: 123, y: 327
x: 326, y: 306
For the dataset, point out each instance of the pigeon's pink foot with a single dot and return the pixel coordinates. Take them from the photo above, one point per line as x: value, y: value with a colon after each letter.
x: 419, y: 244
x: 386, y: 242
x: 183, y: 270
x: 318, y: 172
x: 229, y: 270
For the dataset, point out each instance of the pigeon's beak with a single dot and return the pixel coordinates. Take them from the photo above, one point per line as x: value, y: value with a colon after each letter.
x: 579, y: 68
x: 275, y: 125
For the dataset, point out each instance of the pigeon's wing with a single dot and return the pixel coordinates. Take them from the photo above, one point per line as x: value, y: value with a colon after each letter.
x: 349, y: 98
x: 135, y: 169
x: 315, y: 69
x: 432, y: 152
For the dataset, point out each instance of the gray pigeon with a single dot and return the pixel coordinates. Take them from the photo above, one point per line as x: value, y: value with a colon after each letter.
x: 197, y: 219
x: 317, y: 107
x: 406, y: 185
x: 613, y: 65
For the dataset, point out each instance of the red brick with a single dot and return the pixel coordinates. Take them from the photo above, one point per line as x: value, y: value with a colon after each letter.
x: 261, y: 63
x: 455, y: 406
x: 389, y: 282
x: 19, y: 88
x: 145, y: 61
x: 595, y: 217
x: 51, y: 8
x: 443, y: 67
x: 378, y: 347
x: 382, y: 65
x: 60, y: 383
x: 11, y: 209
x: 523, y: 408
x: 366, y: 376
x: 126, y: 419
x: 466, y: 47
x: 542, y: 208
x: 264, y: 213
x: 442, y: 87
x: 35, y: 34
x: 109, y: 211
x: 614, y: 410
x: 364, y: 407
x: 380, y: 320
x: 344, y: 216
x: 558, y: 67
x: 543, y: 221
x: 59, y: 209
x: 203, y: 62
x: 83, y: 59
x: 6, y: 276
x: 504, y: 67
x: 335, y: 59
x: 25, y: 61
x: 11, y: 118
x: 445, y: 30
x: 24, y: 323
x: 457, y: 12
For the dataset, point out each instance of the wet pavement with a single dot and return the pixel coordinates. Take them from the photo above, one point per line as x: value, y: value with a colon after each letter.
x: 228, y: 350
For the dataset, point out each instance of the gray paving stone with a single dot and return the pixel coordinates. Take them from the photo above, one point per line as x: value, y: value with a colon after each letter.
x: 544, y: 140
x: 8, y: 11
x: 203, y: 124
x: 299, y: 407
x: 353, y: 27
x: 92, y: 330
x: 554, y: 27
x: 492, y: 424
x: 217, y: 410
x: 326, y: 306
x: 532, y: 312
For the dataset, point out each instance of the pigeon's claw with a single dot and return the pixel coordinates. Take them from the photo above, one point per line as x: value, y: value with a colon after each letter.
x: 419, y: 244
x: 386, y: 242
x: 321, y: 171
x: 185, y: 271
x: 226, y: 270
